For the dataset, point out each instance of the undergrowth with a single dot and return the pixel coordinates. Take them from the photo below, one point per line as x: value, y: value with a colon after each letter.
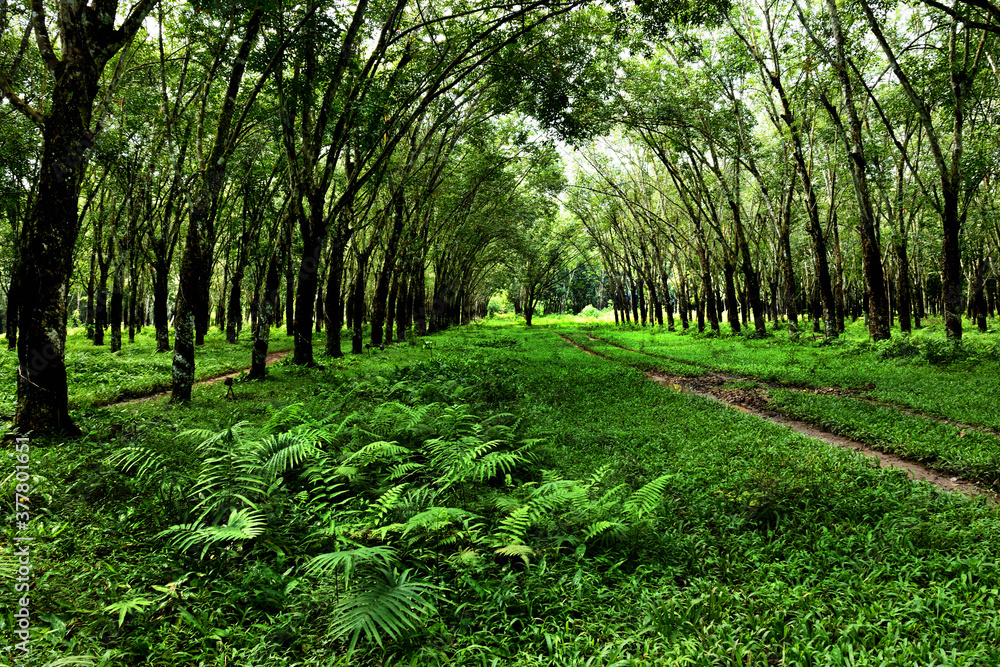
x: 497, y: 498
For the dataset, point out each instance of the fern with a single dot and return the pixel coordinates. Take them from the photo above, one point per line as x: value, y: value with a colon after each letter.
x: 601, y: 527
x: 324, y: 565
x: 385, y: 503
x: 244, y: 524
x: 390, y: 606
x: 646, y: 499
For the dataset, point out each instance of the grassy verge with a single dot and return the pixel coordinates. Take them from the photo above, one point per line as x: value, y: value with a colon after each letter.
x: 960, y: 384
x: 97, y: 376
x: 617, y: 523
x: 968, y: 453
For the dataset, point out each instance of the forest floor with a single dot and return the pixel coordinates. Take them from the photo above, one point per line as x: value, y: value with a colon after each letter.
x: 750, y: 396
x: 498, y: 497
x: 272, y: 357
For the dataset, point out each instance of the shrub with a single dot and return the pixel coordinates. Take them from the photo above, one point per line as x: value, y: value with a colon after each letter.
x: 590, y: 312
x: 899, y: 347
x: 942, y: 351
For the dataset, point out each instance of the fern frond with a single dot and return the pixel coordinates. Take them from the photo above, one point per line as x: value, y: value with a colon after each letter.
x: 388, y: 608
x: 143, y: 460
x: 285, y: 451
x: 601, y: 527
x: 404, y: 470
x: 243, y: 524
x: 324, y: 565
x: 515, y: 550
x: 494, y: 464
x: 380, y: 449
x: 646, y: 499
x: 385, y: 503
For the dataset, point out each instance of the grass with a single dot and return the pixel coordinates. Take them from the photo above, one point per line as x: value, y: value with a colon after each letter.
x: 764, y: 547
x: 891, y: 402
x: 965, y: 390
x: 97, y: 376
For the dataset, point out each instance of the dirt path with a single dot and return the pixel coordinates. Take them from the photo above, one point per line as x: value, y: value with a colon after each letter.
x: 270, y: 359
x: 854, y: 393
x: 753, y: 402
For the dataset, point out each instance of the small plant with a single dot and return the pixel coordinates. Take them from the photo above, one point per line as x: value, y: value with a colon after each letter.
x: 897, y: 347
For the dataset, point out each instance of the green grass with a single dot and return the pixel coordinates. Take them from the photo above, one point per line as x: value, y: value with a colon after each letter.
x: 97, y: 376
x: 766, y: 547
x: 971, y: 454
x: 962, y: 391
x: 966, y: 390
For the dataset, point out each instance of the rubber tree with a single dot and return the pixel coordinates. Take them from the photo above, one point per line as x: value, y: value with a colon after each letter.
x: 88, y: 39
x: 965, y: 55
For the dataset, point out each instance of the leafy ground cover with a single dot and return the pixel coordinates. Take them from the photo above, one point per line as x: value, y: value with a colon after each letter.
x: 97, y: 377
x: 889, y: 411
x: 924, y: 373
x: 495, y: 498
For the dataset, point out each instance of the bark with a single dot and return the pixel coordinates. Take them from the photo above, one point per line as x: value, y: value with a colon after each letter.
x: 390, y: 307
x: 101, y: 317
x: 133, y: 299
x: 683, y: 303
x: 235, y: 311
x: 732, y: 309
x: 192, y: 304
x: 12, y: 304
x: 88, y: 40
x: 268, y: 307
x: 979, y: 291
x: 116, y: 309
x: 89, y: 318
x: 313, y: 233
x: 785, y: 259
x: 402, y: 300
x: 161, y: 321
x: 949, y: 167
x: 871, y: 255
x: 289, y: 300
x: 358, y: 303
x: 334, y: 306
x: 380, y: 298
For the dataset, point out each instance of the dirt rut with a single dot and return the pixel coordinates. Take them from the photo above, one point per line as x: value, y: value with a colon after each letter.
x: 710, y: 386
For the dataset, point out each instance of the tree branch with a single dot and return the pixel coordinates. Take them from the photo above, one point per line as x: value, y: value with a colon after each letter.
x: 42, y: 35
x: 6, y: 90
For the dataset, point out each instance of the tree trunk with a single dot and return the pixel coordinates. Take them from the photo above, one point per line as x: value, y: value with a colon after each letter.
x: 268, y: 307
x: 319, y: 308
x: 235, y: 311
x: 89, y: 320
x: 289, y: 300
x: 161, y: 321
x: 334, y: 307
x: 116, y: 309
x: 683, y: 303
x: 101, y: 318
x: 402, y: 300
x: 358, y: 306
x: 979, y: 294
x: 732, y: 310
x: 308, y: 281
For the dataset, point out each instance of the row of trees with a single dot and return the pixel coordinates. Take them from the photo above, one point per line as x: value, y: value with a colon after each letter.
x: 829, y: 159
x: 327, y: 165
x: 350, y: 163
